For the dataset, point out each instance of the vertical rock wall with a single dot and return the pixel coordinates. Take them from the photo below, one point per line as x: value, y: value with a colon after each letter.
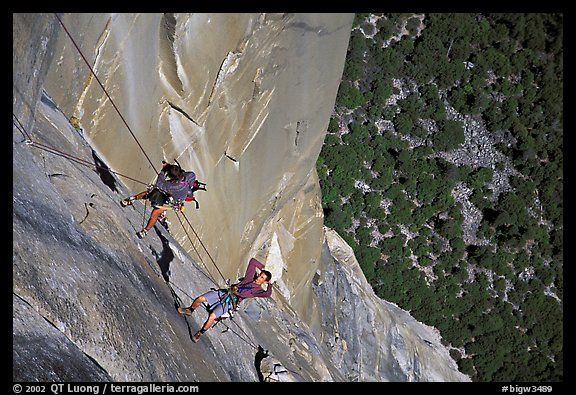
x: 241, y: 99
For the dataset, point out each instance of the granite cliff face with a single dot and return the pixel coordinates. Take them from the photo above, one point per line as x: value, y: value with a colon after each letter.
x: 243, y: 100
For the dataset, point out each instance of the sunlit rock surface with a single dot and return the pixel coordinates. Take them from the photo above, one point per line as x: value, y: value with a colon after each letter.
x: 244, y: 101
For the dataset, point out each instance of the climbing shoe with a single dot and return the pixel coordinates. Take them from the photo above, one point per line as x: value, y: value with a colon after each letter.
x: 196, y: 337
x: 142, y: 233
x: 126, y: 202
x: 185, y: 310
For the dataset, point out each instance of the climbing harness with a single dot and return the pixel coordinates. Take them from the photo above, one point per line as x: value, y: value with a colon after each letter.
x: 230, y: 298
x: 161, y: 198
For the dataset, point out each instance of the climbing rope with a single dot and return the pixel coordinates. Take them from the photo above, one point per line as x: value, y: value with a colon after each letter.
x: 105, y: 91
x: 202, y: 244
x: 84, y: 162
x: 246, y: 337
x: 133, y: 135
x: 207, y: 274
x: 130, y: 130
x: 28, y: 140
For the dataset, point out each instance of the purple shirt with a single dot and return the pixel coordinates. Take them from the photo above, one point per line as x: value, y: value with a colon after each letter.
x: 247, y: 288
x: 178, y: 189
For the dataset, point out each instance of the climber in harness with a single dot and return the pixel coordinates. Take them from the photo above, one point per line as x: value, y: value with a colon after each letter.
x: 222, y: 302
x: 196, y: 186
x: 169, y: 191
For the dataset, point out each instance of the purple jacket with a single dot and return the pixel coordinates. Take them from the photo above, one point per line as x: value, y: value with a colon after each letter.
x: 178, y: 189
x: 247, y: 288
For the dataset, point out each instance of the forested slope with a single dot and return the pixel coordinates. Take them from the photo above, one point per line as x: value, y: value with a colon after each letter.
x: 442, y: 169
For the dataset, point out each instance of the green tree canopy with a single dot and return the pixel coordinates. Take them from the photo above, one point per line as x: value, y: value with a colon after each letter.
x: 450, y: 135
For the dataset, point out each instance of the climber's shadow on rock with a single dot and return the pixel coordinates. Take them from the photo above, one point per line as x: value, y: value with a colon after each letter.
x: 104, y: 173
x: 270, y: 369
x: 260, y: 355
x: 164, y: 257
